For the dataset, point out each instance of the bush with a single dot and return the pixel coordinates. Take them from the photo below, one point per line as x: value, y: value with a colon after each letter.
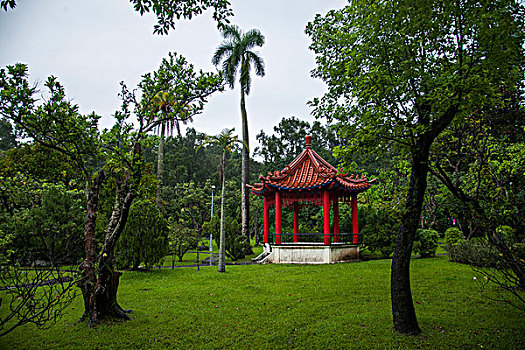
x: 472, y: 253
x: 181, y: 238
x: 453, y: 236
x: 145, y: 237
x: 518, y: 249
x: 379, y: 230
x: 51, y: 230
x: 236, y: 246
x: 507, y: 234
x: 425, y: 243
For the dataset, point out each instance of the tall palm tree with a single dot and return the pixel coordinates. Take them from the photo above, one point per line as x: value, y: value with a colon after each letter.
x: 236, y: 55
x: 164, y: 104
x: 225, y: 140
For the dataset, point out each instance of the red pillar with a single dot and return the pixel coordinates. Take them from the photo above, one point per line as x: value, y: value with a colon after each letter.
x: 336, y: 219
x: 278, y: 218
x: 266, y: 221
x: 326, y: 217
x: 355, y: 221
x: 295, y: 221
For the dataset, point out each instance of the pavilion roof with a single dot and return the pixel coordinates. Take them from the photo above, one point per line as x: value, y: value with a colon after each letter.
x: 310, y: 172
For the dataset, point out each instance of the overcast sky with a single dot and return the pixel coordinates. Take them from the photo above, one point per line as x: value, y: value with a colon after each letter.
x: 93, y: 45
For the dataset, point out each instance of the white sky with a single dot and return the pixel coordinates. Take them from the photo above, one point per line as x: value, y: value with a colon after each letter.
x: 93, y: 45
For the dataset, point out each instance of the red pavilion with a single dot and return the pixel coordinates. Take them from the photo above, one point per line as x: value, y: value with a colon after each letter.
x: 309, y: 179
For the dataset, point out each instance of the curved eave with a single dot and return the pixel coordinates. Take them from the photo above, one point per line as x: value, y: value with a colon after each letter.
x: 331, y: 185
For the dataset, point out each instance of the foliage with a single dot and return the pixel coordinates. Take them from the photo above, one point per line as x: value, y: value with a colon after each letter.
x: 181, y: 238
x: 426, y: 243
x: 116, y: 153
x: 190, y: 204
x: 226, y: 142
x: 235, y: 53
x: 507, y: 234
x: 453, y: 236
x: 41, y: 164
x: 471, y: 252
x: 52, y: 229
x: 145, y: 238
x: 399, y: 74
x: 7, y: 137
x: 44, y: 227
x: 5, y: 4
x: 184, y: 91
x: 166, y: 11
x: 237, y: 246
x: 287, y: 142
x: 378, y: 228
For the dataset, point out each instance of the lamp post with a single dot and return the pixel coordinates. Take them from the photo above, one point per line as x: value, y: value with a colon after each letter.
x: 211, y: 218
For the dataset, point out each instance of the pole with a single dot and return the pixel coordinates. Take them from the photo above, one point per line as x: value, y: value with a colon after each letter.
x: 211, y: 218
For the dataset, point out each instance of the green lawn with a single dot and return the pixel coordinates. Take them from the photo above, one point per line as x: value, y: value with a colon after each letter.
x: 341, y: 306
x: 191, y: 258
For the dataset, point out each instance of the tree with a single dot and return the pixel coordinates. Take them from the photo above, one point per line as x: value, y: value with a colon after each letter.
x: 167, y: 11
x: 225, y: 140
x: 235, y: 54
x: 7, y: 138
x: 181, y: 238
x: 145, y: 237
x: 287, y: 142
x: 40, y: 230
x: 116, y: 153
x: 168, y: 97
x: 398, y: 73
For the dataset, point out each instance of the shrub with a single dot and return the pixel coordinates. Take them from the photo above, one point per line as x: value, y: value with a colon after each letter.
x: 379, y: 230
x: 507, y: 234
x: 236, y: 246
x: 472, y: 253
x: 425, y: 243
x: 181, y: 238
x: 518, y: 250
x: 145, y: 237
x: 453, y: 236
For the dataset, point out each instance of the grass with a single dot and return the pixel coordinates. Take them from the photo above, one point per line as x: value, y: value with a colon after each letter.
x: 191, y: 258
x: 341, y: 306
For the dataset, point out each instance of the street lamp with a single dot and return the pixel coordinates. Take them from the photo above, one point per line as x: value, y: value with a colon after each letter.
x: 211, y: 218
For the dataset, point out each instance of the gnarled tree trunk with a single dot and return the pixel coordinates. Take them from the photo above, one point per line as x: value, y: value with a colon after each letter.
x: 100, y: 284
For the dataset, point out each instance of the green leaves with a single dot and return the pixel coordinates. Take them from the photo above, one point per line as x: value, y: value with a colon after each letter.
x: 167, y: 11
x: 235, y: 54
x: 395, y: 70
x: 174, y: 92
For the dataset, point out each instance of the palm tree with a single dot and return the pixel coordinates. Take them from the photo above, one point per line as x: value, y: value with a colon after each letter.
x: 235, y: 54
x: 225, y: 140
x: 164, y: 104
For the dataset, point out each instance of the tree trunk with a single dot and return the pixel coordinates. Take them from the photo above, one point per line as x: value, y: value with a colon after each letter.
x: 160, y: 165
x: 403, y: 311
x: 100, y: 292
x: 222, y: 236
x: 86, y: 267
x: 245, y: 201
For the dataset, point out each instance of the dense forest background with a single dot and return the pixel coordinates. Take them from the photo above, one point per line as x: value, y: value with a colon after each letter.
x: 43, y: 203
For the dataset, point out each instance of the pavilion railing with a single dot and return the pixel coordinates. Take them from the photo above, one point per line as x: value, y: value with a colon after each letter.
x: 341, y: 238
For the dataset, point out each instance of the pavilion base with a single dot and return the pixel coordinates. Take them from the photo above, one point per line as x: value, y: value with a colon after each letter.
x: 310, y: 253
